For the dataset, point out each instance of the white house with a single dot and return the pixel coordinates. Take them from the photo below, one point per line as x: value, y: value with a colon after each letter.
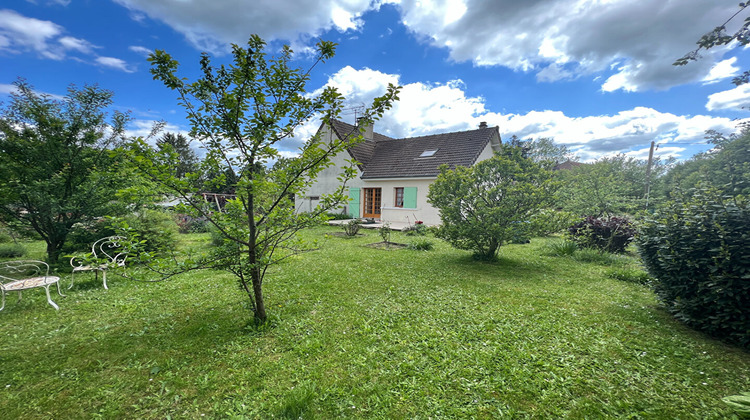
x: 394, y: 175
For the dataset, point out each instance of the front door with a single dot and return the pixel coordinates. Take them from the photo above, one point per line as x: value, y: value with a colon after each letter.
x: 372, y: 203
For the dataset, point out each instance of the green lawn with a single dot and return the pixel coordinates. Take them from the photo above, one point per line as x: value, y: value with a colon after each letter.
x: 363, y: 332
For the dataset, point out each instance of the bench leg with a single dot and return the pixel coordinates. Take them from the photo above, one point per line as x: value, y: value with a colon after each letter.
x: 72, y: 275
x: 49, y: 299
x: 104, y: 277
x: 2, y: 306
x: 58, y: 289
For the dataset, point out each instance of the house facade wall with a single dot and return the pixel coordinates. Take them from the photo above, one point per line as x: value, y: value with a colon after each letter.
x: 422, y: 211
x: 327, y: 180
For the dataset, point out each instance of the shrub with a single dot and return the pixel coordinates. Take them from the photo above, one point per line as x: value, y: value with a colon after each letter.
x: 82, y: 235
x: 610, y: 235
x: 385, y: 232
x: 417, y: 229
x: 420, y: 244
x: 12, y: 251
x: 561, y: 248
x: 351, y: 228
x: 338, y: 216
x: 696, y: 249
x: 157, y: 228
x: 190, y: 224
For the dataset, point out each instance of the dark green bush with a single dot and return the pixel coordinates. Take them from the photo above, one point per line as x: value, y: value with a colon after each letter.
x: 610, y: 235
x: 12, y: 251
x: 697, y: 250
x: 157, y: 228
x: 5, y: 236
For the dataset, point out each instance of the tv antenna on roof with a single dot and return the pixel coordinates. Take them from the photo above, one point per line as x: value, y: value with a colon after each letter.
x: 357, y: 110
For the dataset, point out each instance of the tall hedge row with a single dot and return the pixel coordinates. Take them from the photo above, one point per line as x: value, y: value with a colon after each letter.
x: 698, y: 250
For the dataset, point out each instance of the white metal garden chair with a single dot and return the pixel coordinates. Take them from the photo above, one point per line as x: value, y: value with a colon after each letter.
x: 17, y: 276
x: 106, y: 253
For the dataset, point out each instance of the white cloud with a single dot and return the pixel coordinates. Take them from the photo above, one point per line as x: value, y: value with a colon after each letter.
x: 210, y: 25
x: 722, y: 70
x: 556, y: 39
x: 76, y: 44
x: 21, y: 34
x: 140, y: 50
x: 434, y: 108
x: 736, y: 99
x: 643, y: 36
x: 114, y: 63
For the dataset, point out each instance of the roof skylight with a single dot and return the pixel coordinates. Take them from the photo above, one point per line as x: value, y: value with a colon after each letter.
x: 428, y: 153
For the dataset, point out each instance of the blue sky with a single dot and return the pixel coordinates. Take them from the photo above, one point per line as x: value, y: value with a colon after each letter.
x: 594, y: 75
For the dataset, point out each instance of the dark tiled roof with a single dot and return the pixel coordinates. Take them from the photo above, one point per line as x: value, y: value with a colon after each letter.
x: 386, y: 157
x: 568, y: 164
x: 363, y: 151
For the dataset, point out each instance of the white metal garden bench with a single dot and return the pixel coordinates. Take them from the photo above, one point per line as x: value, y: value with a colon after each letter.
x: 17, y: 276
x: 106, y: 253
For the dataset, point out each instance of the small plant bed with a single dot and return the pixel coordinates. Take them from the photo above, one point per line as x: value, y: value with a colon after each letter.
x: 345, y: 235
x: 387, y: 245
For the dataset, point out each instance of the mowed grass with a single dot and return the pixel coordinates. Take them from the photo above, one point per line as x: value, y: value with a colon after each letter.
x: 357, y: 332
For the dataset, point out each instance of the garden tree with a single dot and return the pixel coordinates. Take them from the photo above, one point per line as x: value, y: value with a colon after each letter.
x: 610, y: 186
x: 181, y: 151
x: 239, y: 112
x: 726, y: 167
x: 544, y: 150
x: 55, y: 168
x: 481, y: 206
x: 718, y: 37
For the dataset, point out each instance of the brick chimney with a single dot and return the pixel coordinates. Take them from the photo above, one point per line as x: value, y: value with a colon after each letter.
x: 483, y: 124
x: 368, y: 133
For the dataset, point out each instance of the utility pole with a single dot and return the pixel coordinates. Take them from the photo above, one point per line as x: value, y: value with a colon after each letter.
x: 648, y: 172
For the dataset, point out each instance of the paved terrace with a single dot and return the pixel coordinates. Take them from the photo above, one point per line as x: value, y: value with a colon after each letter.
x: 378, y: 224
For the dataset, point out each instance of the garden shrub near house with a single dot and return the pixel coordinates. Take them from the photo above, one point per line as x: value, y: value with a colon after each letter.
x: 697, y: 251
x: 605, y: 234
x: 351, y: 228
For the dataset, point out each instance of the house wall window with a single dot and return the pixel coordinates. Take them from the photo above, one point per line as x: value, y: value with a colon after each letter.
x: 399, y: 193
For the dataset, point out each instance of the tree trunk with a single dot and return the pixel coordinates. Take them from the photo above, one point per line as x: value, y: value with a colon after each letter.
x: 54, y: 248
x: 260, y: 306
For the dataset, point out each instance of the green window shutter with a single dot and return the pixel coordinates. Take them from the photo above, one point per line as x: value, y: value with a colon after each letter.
x: 354, y: 202
x: 410, y: 197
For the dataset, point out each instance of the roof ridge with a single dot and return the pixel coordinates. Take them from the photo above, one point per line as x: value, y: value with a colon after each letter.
x: 445, y: 134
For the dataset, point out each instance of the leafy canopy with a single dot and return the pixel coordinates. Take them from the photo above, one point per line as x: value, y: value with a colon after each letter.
x: 482, y: 206
x: 239, y: 113
x: 55, y: 169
